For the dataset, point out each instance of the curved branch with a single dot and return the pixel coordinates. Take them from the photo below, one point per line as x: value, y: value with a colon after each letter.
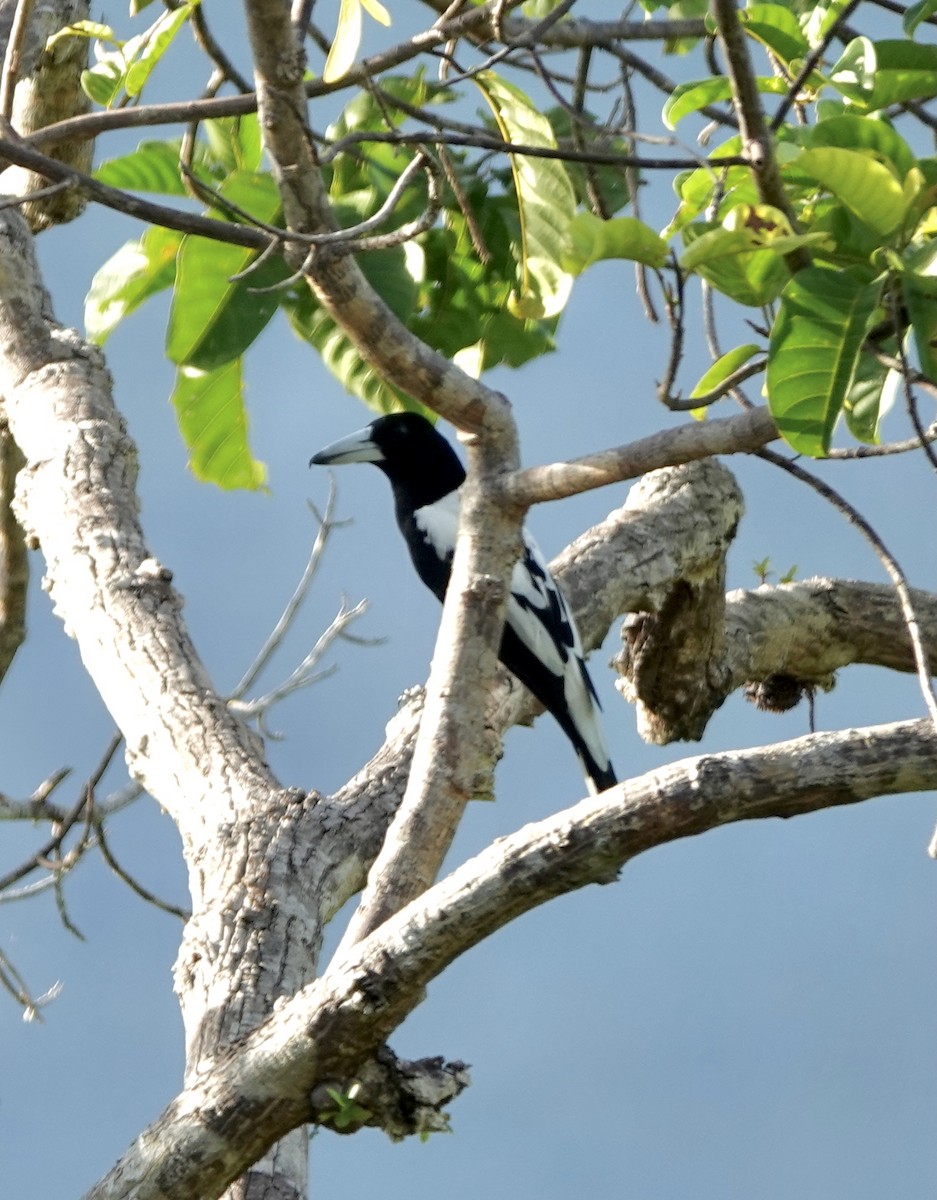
x: 743, y: 433
x: 256, y: 1092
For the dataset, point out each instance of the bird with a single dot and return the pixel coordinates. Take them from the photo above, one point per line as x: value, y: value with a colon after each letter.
x: 540, y: 644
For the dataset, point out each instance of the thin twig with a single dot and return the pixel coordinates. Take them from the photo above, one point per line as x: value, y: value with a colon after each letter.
x: 895, y: 573
x: 12, y: 981
x: 327, y: 526
x: 134, y: 885
x: 728, y: 385
x: 811, y: 61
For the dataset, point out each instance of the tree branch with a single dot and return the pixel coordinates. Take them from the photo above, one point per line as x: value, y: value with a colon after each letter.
x: 255, y: 1092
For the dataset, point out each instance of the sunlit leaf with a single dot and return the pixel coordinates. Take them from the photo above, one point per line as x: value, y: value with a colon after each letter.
x: 545, y: 201
x: 213, y: 318
x: 775, y: 26
x: 213, y: 421
x: 138, y: 270
x: 875, y: 75
x: 815, y: 344
x: 152, y: 167
x: 341, y: 56
x: 592, y: 239
x: 86, y: 29
x: 866, y: 186
x: 376, y: 10
x: 722, y: 368
x: 691, y: 97
x: 160, y: 37
x: 856, y: 133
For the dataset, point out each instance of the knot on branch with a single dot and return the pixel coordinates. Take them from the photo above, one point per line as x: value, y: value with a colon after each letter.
x: 399, y: 1096
x: 673, y: 665
x: 48, y: 89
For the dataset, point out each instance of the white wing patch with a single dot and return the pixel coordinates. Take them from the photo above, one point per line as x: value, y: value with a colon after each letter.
x: 538, y: 615
x: 439, y: 524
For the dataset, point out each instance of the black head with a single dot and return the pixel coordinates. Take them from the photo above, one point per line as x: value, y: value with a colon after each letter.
x: 418, y: 461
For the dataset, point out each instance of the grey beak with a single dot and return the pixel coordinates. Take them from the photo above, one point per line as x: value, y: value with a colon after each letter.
x: 356, y: 448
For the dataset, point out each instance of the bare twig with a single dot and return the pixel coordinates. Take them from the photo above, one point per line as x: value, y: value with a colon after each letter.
x: 134, y: 885
x: 327, y: 526
x: 12, y: 981
x: 895, y: 573
x: 728, y: 385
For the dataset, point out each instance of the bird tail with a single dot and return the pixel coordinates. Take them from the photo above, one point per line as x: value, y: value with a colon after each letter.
x: 598, y: 778
x: 583, y: 728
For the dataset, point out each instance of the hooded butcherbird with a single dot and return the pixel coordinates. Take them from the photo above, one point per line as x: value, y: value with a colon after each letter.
x: 540, y: 643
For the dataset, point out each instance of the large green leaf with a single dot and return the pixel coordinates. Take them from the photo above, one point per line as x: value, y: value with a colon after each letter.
x: 545, y: 201
x: 388, y: 273
x: 152, y: 167
x: 775, y: 26
x: 214, y: 318
x: 138, y: 270
x: 153, y: 45
x: 592, y: 239
x: 864, y: 134
x: 866, y: 186
x: 815, y: 345
x: 211, y: 414
x: 875, y: 75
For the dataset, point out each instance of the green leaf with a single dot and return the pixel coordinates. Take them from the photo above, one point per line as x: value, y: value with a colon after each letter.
x: 875, y: 75
x: 341, y: 57
x: 919, y: 299
x: 152, y: 167
x: 815, y: 345
x: 868, y: 134
x: 592, y: 239
x: 234, y: 142
x: 722, y: 368
x: 916, y: 13
x: 314, y: 325
x: 85, y: 29
x: 545, y: 201
x: 866, y: 186
x: 214, y: 319
x: 137, y: 271
x: 862, y: 406
x: 775, y: 26
x: 387, y: 272
x: 690, y: 97
x: 157, y: 41
x: 212, y: 418
x: 102, y: 82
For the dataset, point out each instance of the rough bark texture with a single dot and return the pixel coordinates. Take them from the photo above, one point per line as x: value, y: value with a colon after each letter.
x: 255, y: 1092
x: 49, y: 90
x: 14, y: 561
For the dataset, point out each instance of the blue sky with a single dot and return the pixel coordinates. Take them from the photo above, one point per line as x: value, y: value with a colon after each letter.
x: 747, y: 1014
